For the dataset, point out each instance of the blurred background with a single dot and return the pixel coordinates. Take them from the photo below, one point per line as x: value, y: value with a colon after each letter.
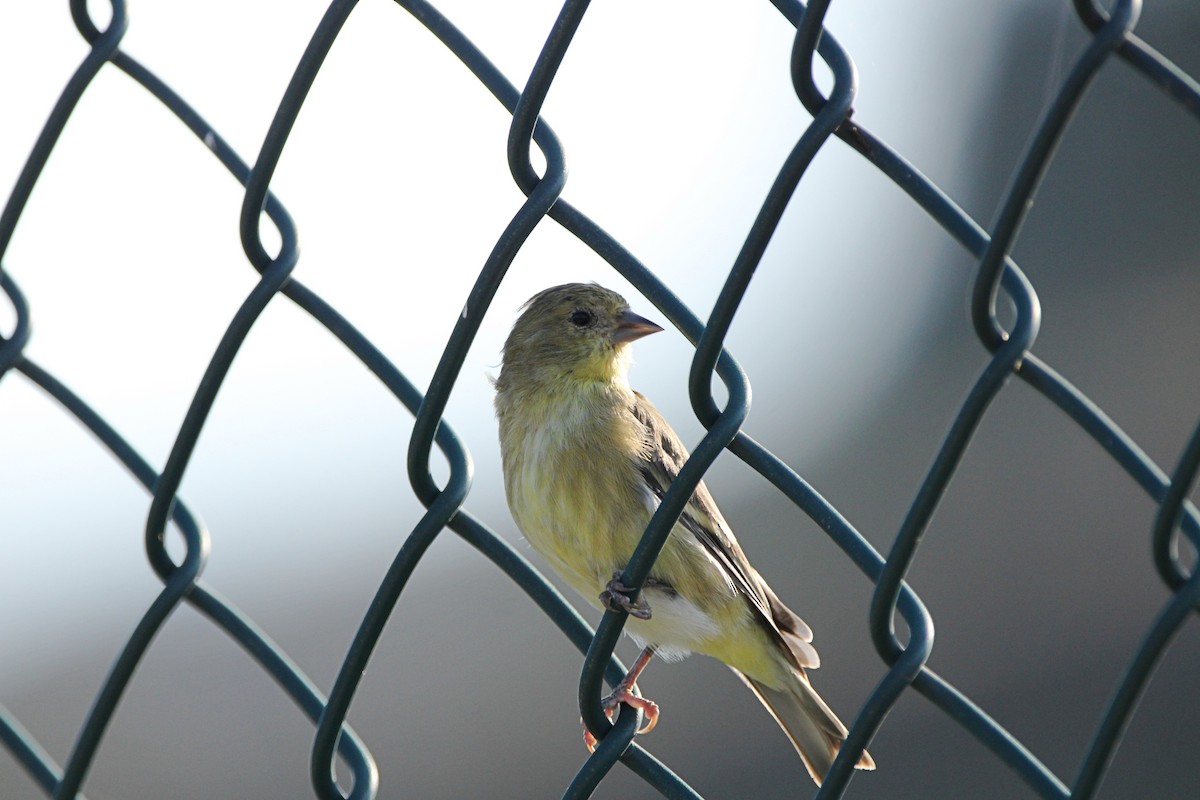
x: 855, y: 332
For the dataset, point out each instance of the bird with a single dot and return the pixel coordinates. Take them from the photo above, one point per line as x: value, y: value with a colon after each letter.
x: 586, y: 461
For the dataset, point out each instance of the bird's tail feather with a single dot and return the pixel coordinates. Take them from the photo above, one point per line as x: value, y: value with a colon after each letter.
x: 814, y: 729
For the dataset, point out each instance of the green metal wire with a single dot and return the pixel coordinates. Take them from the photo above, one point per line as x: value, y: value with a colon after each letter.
x: 1111, y: 36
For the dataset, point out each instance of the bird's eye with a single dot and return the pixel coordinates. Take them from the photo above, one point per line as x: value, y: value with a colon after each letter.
x: 581, y: 317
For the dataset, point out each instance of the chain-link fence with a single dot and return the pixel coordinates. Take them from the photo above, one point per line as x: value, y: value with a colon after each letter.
x: 998, y: 283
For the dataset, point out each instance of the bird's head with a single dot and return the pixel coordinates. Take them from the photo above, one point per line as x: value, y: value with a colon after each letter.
x: 574, y: 331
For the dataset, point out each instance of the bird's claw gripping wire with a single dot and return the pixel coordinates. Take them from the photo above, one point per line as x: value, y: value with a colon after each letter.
x: 626, y: 692
x: 619, y: 597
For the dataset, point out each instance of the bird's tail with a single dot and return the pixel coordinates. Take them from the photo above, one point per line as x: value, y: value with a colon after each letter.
x: 815, y: 731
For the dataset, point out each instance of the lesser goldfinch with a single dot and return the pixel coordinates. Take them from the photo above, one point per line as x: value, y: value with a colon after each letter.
x: 586, y: 462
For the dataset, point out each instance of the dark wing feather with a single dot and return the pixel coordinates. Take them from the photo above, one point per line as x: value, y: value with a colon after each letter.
x: 661, y: 463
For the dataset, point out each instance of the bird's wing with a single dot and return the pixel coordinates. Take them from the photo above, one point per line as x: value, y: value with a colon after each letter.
x: 660, y: 465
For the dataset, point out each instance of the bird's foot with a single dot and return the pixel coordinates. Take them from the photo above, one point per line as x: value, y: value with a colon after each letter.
x: 619, y: 597
x: 625, y: 694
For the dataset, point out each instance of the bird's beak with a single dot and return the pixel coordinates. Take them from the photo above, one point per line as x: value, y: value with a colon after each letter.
x: 630, y: 326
